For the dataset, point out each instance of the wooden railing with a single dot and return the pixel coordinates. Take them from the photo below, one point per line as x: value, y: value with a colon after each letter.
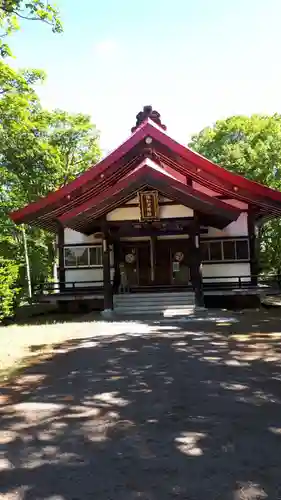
x: 210, y: 282
x: 67, y: 287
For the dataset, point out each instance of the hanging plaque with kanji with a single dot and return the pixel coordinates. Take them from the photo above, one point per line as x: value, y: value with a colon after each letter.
x: 149, y: 208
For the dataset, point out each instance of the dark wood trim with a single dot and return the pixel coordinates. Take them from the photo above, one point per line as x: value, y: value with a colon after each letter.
x: 82, y: 244
x: 208, y: 262
x: 61, y: 269
x: 137, y: 221
x: 196, y: 263
x: 225, y: 197
x: 252, y: 247
x: 108, y: 290
x: 171, y: 203
x: 135, y: 233
x: 160, y: 204
x: 71, y: 268
x: 224, y: 238
x: 153, y: 243
x: 116, y: 257
x: 81, y: 217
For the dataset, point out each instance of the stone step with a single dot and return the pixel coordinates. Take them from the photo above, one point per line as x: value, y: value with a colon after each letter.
x: 167, y: 304
x: 158, y: 301
x: 136, y: 300
x: 132, y: 296
x: 153, y: 305
x: 168, y: 312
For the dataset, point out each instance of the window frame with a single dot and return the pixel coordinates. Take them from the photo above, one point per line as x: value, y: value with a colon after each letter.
x: 84, y: 266
x: 221, y: 241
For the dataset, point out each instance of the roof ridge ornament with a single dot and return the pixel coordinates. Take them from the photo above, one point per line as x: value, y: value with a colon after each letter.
x: 148, y: 112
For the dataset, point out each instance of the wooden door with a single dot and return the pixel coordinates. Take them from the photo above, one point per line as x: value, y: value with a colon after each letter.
x: 163, y: 271
x: 129, y: 265
x: 144, y: 265
x: 180, y: 262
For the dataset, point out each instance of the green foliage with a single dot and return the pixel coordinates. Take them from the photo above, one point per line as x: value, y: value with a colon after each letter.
x: 14, y: 11
x: 9, y: 291
x: 39, y: 152
x: 250, y: 146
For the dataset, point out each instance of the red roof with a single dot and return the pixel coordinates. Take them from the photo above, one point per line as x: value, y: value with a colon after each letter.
x: 173, y: 157
x: 146, y: 175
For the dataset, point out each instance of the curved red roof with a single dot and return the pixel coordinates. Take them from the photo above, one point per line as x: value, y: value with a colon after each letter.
x: 182, y: 161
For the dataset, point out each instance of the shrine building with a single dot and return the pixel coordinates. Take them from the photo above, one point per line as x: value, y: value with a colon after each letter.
x: 154, y: 217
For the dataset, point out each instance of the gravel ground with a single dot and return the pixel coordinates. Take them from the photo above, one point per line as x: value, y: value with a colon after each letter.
x: 149, y: 410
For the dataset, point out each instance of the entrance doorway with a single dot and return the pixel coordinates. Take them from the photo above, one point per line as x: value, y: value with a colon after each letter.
x: 163, y: 270
x: 136, y: 263
x: 144, y: 265
x: 163, y: 265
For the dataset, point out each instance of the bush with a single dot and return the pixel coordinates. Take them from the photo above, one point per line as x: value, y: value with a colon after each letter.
x: 9, y: 290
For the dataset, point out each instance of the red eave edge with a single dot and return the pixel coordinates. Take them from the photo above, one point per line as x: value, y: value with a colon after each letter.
x: 217, y: 170
x: 143, y: 172
x: 148, y: 128
x: 91, y: 173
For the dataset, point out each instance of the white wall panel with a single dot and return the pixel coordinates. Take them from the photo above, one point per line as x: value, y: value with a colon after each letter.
x: 124, y: 213
x: 78, y: 275
x: 236, y: 228
x: 72, y: 237
x: 225, y: 270
x: 170, y: 211
x: 133, y: 213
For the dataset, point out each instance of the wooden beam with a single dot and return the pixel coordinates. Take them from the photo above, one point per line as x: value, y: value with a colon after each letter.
x: 252, y: 247
x: 61, y: 269
x: 196, y: 262
x: 116, y: 255
x: 153, y: 241
x: 107, y: 287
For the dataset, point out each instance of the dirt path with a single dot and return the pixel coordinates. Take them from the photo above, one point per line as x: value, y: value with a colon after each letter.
x: 150, y: 411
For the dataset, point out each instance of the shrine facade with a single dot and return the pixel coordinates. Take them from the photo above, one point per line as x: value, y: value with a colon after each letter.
x: 154, y: 215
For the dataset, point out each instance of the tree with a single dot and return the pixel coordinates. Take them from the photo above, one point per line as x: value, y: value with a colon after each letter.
x: 250, y: 146
x: 14, y: 11
x: 39, y: 152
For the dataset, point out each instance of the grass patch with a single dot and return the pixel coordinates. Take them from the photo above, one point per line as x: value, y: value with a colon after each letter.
x: 31, y: 338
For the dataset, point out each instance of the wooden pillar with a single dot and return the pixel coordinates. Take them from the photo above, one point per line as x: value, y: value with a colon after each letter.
x: 196, y: 264
x: 107, y: 287
x: 116, y: 255
x: 253, y: 248
x: 61, y: 269
x: 153, y: 240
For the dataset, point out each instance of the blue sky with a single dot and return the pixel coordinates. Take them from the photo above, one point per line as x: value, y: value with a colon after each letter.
x: 195, y: 61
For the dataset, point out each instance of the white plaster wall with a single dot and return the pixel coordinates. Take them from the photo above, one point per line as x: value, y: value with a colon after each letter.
x: 124, y: 213
x: 78, y: 275
x: 236, y: 228
x: 133, y: 213
x: 170, y: 211
x: 72, y: 237
x: 223, y: 271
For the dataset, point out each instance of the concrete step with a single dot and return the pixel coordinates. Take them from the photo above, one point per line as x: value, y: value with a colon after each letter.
x: 152, y: 306
x: 157, y: 298
x: 153, y: 295
x: 169, y: 312
x: 165, y: 304
x: 160, y: 302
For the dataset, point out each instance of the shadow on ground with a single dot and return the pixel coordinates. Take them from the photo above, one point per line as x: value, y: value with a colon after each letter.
x: 155, y: 411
